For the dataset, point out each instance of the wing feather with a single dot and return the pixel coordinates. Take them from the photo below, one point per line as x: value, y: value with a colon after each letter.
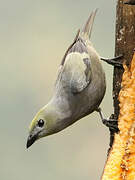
x: 75, y: 71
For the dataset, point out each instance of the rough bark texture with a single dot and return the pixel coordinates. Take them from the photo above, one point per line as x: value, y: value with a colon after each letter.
x: 120, y: 164
x: 124, y: 44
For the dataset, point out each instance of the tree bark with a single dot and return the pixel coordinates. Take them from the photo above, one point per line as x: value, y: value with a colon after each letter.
x: 124, y: 45
x: 121, y: 154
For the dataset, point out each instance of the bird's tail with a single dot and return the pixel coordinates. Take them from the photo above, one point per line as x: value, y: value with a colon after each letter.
x: 87, y: 29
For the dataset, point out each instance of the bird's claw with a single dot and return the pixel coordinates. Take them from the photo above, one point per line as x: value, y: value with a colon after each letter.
x: 112, y: 124
x: 113, y: 61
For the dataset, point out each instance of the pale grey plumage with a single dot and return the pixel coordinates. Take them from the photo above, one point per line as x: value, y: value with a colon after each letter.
x: 79, y: 88
x: 83, y: 92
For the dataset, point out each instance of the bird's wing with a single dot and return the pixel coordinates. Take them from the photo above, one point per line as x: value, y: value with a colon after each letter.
x: 75, y: 70
x: 75, y: 73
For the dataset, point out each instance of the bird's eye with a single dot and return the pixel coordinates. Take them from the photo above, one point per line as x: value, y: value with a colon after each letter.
x: 40, y: 122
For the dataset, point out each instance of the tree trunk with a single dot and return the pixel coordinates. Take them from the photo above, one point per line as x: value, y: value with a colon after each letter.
x: 120, y: 164
x: 124, y: 45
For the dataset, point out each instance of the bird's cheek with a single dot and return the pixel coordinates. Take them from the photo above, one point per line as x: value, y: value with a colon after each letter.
x: 41, y: 134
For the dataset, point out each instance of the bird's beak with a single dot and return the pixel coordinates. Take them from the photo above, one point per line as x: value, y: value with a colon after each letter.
x: 31, y: 139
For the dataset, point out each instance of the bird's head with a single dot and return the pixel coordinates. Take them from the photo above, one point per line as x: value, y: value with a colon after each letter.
x: 42, y: 125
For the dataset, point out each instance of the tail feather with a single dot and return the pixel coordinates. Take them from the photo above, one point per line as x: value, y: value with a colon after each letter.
x: 89, y: 24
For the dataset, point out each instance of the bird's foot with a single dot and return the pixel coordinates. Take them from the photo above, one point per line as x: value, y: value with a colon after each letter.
x: 113, y: 61
x: 111, y: 123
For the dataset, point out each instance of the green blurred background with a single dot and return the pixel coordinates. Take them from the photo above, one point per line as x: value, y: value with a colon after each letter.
x: 34, y: 35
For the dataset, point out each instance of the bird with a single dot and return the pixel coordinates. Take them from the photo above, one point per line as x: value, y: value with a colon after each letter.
x: 79, y: 88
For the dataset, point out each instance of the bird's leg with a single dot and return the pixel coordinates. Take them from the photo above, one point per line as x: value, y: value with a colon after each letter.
x: 111, y: 123
x: 113, y: 61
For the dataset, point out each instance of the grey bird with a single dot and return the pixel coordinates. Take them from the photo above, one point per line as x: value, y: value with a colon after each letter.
x: 79, y: 88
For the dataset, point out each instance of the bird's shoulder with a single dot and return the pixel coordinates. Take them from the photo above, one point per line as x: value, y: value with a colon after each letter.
x: 78, y: 46
x: 75, y: 68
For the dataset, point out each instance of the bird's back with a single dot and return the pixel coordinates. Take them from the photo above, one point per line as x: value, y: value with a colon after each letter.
x: 80, y: 85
